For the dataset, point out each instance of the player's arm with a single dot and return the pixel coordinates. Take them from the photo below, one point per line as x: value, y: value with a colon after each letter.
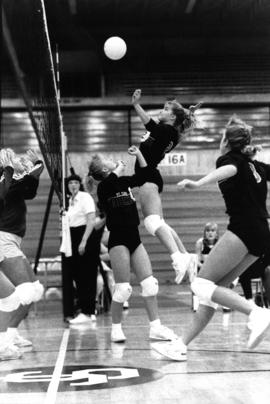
x: 220, y: 174
x: 134, y: 151
x: 144, y: 117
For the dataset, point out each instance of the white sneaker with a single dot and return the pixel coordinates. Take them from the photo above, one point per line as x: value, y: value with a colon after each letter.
x: 162, y: 333
x: 117, y: 335
x: 180, y: 266
x: 93, y: 317
x: 9, y: 352
x: 259, y: 324
x: 21, y: 342
x: 175, y: 350
x: 81, y: 318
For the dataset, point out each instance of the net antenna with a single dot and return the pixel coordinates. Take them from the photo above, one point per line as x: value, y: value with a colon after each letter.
x: 43, y: 107
x: 62, y: 133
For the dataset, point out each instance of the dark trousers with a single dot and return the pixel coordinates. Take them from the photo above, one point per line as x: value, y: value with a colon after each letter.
x: 80, y: 270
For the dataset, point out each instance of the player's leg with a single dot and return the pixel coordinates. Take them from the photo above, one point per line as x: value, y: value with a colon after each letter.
x: 141, y: 265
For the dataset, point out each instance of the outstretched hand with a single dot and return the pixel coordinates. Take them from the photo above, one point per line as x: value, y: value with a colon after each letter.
x: 136, y: 96
x: 187, y: 184
x: 32, y: 156
x: 5, y: 159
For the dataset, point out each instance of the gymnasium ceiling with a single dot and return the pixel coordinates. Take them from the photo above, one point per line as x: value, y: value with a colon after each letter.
x: 76, y: 23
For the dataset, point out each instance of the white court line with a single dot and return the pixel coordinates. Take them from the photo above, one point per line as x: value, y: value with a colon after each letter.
x: 53, y: 386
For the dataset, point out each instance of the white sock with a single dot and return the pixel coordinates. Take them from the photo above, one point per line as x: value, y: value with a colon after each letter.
x: 155, y: 323
x: 254, y: 312
x: 12, y: 331
x: 116, y: 326
x: 176, y: 256
x: 3, y: 338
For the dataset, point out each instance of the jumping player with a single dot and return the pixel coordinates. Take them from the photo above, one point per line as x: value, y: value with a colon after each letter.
x: 125, y: 248
x: 161, y: 138
x: 243, y: 184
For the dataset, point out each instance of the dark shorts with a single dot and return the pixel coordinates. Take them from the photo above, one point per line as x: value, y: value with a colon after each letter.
x: 153, y: 175
x: 129, y: 237
x: 254, y: 232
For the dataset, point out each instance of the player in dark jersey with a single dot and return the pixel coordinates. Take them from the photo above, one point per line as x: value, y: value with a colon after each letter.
x: 125, y: 248
x: 162, y: 137
x: 243, y: 184
x: 14, y: 266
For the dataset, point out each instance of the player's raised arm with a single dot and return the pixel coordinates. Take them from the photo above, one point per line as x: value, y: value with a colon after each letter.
x: 144, y: 117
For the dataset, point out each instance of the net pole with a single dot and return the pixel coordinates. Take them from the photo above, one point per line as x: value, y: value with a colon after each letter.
x: 63, y: 136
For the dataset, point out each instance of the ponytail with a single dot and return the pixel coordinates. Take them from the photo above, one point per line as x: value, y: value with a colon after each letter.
x: 239, y: 136
x: 185, y: 117
x: 251, y: 150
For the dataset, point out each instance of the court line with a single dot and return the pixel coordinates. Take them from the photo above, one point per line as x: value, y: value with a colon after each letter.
x: 53, y: 386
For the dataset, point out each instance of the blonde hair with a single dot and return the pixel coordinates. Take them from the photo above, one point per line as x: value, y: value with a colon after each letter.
x: 239, y: 136
x: 95, y: 168
x: 185, y: 117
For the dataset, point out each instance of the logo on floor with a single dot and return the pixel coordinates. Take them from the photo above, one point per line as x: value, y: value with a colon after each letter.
x: 75, y: 378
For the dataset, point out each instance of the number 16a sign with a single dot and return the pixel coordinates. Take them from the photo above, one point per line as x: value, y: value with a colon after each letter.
x: 174, y: 159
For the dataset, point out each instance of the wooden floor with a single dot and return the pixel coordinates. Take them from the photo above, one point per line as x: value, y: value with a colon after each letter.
x: 69, y: 366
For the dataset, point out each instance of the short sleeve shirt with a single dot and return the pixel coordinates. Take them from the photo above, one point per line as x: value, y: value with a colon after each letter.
x: 159, y: 140
x: 79, y: 207
x: 245, y: 193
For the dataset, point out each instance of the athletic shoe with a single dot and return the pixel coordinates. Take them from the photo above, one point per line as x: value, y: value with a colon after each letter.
x: 21, y: 342
x: 93, y: 317
x: 9, y: 352
x: 81, y: 318
x: 181, y: 266
x: 259, y: 324
x: 117, y: 335
x: 175, y: 350
x: 162, y: 333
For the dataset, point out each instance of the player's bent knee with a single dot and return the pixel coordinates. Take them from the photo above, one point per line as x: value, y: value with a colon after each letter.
x: 26, y: 292
x: 149, y: 286
x: 10, y: 303
x: 38, y: 291
x: 152, y: 223
x: 122, y: 292
x: 203, y: 288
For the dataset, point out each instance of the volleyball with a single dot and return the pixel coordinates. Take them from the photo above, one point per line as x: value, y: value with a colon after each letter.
x: 115, y: 48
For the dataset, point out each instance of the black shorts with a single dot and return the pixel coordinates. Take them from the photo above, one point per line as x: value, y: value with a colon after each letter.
x: 153, y: 175
x: 254, y: 232
x: 129, y: 237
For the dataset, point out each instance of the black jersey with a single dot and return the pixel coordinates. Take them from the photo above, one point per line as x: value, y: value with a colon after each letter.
x: 13, y: 212
x: 245, y: 193
x: 161, y: 140
x: 116, y: 199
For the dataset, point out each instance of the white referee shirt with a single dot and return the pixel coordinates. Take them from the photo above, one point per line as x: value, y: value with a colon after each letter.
x: 79, y: 207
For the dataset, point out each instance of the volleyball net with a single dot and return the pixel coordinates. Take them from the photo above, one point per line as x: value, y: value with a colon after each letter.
x: 28, y: 50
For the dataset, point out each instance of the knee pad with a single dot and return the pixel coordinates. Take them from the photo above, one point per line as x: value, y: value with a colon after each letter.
x: 10, y: 303
x: 152, y: 223
x: 26, y: 292
x: 38, y: 291
x: 149, y: 286
x: 204, y: 289
x: 122, y: 292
